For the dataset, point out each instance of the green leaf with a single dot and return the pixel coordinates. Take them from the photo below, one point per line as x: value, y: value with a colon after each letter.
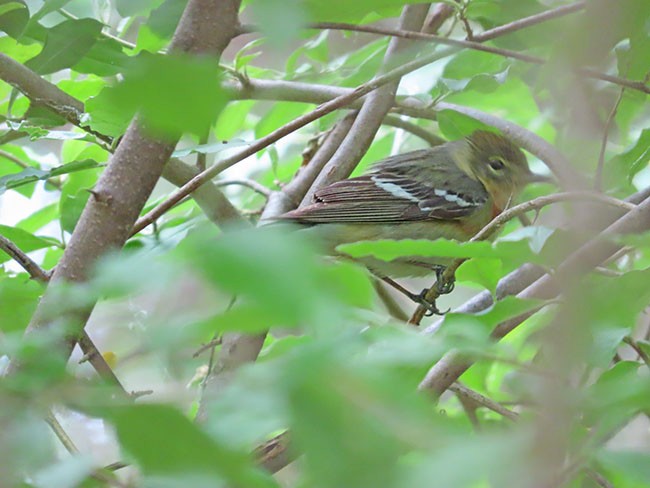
x: 66, y: 44
x: 233, y: 118
x: 619, y: 393
x: 485, y: 272
x: 105, y: 58
x: 70, y: 208
x: 165, y: 442
x: 39, y: 219
x: 388, y: 250
x: 630, y: 162
x: 14, y: 16
x: 130, y: 8
x: 630, y: 467
x: 454, y: 125
x: 164, y: 19
x: 29, y: 175
x: 25, y: 241
x: 213, y: 147
x: 174, y: 93
x: 19, y: 296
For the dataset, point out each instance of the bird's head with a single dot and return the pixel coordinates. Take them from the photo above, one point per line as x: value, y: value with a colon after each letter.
x: 498, y: 164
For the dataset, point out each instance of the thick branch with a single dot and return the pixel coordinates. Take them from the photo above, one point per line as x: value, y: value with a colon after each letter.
x: 206, y: 27
x: 40, y: 91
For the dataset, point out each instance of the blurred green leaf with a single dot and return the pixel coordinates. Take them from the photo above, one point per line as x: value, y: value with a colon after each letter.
x: 454, y: 125
x: 485, y: 272
x: 19, y: 296
x: 152, y: 85
x: 70, y: 208
x: 164, y: 19
x: 165, y: 442
x: 66, y: 44
x: 14, y: 16
x: 279, y: 20
x: 389, y: 250
x: 39, y: 218
x: 343, y: 11
x: 30, y: 175
x: 631, y: 465
x: 25, y: 241
x: 129, y: 8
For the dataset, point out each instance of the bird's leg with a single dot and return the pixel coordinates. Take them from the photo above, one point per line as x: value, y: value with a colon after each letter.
x: 418, y: 298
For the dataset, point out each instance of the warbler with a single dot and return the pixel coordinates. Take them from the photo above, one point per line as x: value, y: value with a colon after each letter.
x: 449, y: 191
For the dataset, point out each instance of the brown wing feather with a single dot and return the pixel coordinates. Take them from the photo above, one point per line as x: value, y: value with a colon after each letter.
x: 398, y: 189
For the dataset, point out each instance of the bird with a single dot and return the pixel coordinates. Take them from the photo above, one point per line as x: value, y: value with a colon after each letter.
x: 449, y: 191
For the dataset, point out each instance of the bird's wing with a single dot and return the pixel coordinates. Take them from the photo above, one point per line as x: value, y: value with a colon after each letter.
x: 398, y: 189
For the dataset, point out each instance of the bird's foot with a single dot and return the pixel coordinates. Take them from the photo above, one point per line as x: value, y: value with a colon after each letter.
x: 443, y: 286
x: 431, y: 307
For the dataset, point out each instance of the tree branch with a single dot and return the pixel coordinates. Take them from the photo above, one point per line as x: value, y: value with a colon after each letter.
x: 206, y: 27
x: 40, y: 91
x: 475, y: 43
x: 483, y: 401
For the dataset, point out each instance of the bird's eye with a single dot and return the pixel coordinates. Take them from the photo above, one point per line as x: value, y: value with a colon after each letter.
x: 496, y: 164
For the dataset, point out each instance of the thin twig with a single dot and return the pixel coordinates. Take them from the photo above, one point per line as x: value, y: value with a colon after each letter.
x: 507, y: 215
x: 60, y: 433
x: 529, y: 21
x: 252, y: 184
x: 484, y: 401
x: 18, y: 162
x: 27, y: 263
x: 475, y: 43
x: 416, y: 130
x: 210, y: 345
x: 393, y: 308
x: 638, y: 349
x: 598, y: 180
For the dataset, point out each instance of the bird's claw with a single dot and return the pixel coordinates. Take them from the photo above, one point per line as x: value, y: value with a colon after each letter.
x: 444, y: 287
x: 432, y: 309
